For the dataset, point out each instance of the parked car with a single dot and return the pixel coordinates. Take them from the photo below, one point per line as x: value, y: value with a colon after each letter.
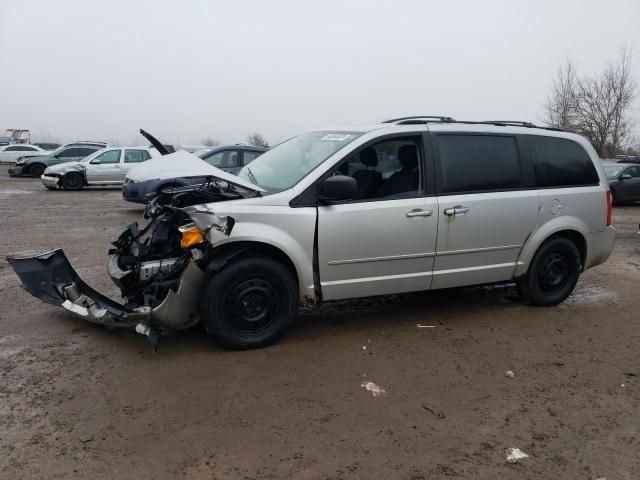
x: 229, y: 158
x: 412, y: 204
x: 104, y: 167
x: 34, y: 167
x: 47, y: 146
x: 10, y: 153
x: 624, y: 181
x: 5, y: 141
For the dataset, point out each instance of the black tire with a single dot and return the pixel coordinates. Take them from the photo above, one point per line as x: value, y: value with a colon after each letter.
x: 73, y: 181
x: 36, y: 169
x: 249, y: 303
x: 553, y: 273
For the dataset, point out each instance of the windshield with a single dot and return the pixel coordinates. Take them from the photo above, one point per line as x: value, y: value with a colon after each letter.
x: 286, y: 164
x: 612, y: 171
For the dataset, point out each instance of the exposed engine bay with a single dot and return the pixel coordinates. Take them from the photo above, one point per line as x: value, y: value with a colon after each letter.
x: 159, y: 268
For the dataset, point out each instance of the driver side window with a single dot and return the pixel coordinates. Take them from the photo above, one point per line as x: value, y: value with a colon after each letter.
x: 386, y: 170
x: 112, y: 156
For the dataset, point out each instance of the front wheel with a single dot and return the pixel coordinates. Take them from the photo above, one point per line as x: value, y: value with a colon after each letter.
x: 72, y: 181
x: 553, y: 273
x: 249, y: 303
x: 36, y: 170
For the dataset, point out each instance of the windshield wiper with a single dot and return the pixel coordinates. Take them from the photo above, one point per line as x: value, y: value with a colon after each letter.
x: 252, y: 177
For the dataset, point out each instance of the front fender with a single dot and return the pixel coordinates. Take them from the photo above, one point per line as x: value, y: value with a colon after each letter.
x: 555, y: 225
x: 290, y: 230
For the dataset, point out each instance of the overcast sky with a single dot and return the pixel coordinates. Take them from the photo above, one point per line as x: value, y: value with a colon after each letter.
x: 185, y: 70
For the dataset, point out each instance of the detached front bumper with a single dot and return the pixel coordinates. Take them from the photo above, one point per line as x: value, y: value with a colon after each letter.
x: 51, y: 278
x: 16, y: 170
x: 49, y: 181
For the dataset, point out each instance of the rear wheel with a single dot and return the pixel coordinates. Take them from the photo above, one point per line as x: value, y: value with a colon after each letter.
x: 553, y: 273
x: 72, y: 181
x: 36, y: 170
x: 250, y: 303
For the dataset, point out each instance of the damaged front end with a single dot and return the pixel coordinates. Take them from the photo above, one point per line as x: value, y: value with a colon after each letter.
x: 159, y: 268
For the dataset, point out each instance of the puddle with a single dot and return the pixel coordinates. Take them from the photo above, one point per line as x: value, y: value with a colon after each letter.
x: 591, y: 294
x: 12, y: 191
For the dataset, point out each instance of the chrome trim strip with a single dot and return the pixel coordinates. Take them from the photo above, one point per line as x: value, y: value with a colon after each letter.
x: 478, y: 250
x: 376, y: 279
x: 381, y: 259
x: 473, y: 269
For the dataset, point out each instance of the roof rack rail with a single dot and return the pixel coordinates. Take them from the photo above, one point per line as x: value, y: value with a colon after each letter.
x: 423, y: 119
x: 514, y: 123
x: 419, y: 119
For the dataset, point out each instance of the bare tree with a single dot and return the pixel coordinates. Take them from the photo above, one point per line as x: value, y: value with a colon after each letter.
x: 598, y: 107
x: 210, y: 142
x: 257, y: 140
x: 560, y: 104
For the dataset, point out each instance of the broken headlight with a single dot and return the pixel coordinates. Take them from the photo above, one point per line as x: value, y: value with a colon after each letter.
x: 190, y: 235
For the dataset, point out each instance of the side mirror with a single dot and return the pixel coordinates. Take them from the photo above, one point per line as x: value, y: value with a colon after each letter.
x: 625, y: 176
x: 338, y: 188
x: 96, y: 161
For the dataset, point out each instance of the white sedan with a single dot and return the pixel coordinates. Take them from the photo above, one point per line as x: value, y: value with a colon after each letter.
x: 10, y: 153
x: 108, y: 166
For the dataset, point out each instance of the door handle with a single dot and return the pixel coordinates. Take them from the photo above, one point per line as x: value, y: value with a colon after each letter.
x: 457, y: 210
x: 419, y: 213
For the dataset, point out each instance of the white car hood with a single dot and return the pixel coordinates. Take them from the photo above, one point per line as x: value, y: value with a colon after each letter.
x: 184, y: 164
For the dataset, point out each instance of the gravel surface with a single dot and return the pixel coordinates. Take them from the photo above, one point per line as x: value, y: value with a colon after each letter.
x: 403, y: 386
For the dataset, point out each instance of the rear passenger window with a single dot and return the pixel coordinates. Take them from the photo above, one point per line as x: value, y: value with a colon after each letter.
x: 135, y: 156
x: 476, y: 163
x: 559, y: 162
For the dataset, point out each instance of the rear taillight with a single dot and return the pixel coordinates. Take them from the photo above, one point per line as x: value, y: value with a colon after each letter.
x: 608, y: 208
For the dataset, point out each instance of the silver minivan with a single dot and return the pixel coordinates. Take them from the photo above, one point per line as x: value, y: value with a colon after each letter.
x: 415, y: 203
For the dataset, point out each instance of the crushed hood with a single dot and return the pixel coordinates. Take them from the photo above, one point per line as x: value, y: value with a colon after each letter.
x: 62, y: 168
x: 184, y: 164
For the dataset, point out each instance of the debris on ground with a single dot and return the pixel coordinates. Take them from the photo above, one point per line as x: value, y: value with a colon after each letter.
x: 509, y: 374
x: 376, y: 390
x: 514, y: 455
x: 425, y: 326
x: 86, y: 438
x: 436, y: 413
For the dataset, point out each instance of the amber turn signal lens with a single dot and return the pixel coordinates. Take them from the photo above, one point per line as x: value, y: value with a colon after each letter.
x: 191, y: 236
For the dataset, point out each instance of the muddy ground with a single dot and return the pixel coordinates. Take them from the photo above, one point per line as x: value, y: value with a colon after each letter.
x: 79, y: 401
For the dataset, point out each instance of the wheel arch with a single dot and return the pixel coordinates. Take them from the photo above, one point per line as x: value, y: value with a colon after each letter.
x: 570, y: 228
x: 223, y: 254
x: 33, y: 164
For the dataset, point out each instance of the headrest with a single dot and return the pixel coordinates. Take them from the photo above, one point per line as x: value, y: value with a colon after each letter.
x: 408, y: 156
x: 369, y: 157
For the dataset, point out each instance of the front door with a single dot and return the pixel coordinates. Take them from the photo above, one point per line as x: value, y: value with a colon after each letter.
x: 383, y: 241
x: 629, y: 188
x: 487, y: 211
x: 105, y: 168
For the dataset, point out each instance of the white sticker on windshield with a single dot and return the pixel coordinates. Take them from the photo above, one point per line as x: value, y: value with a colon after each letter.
x: 335, y: 137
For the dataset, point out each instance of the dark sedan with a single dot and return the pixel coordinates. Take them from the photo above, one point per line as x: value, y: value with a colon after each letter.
x: 229, y: 158
x: 624, y: 181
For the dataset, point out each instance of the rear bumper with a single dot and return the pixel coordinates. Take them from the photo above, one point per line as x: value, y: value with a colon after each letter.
x: 599, y: 246
x: 50, y: 182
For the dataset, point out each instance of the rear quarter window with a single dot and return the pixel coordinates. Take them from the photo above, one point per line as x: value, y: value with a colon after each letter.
x: 558, y: 162
x: 477, y: 163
